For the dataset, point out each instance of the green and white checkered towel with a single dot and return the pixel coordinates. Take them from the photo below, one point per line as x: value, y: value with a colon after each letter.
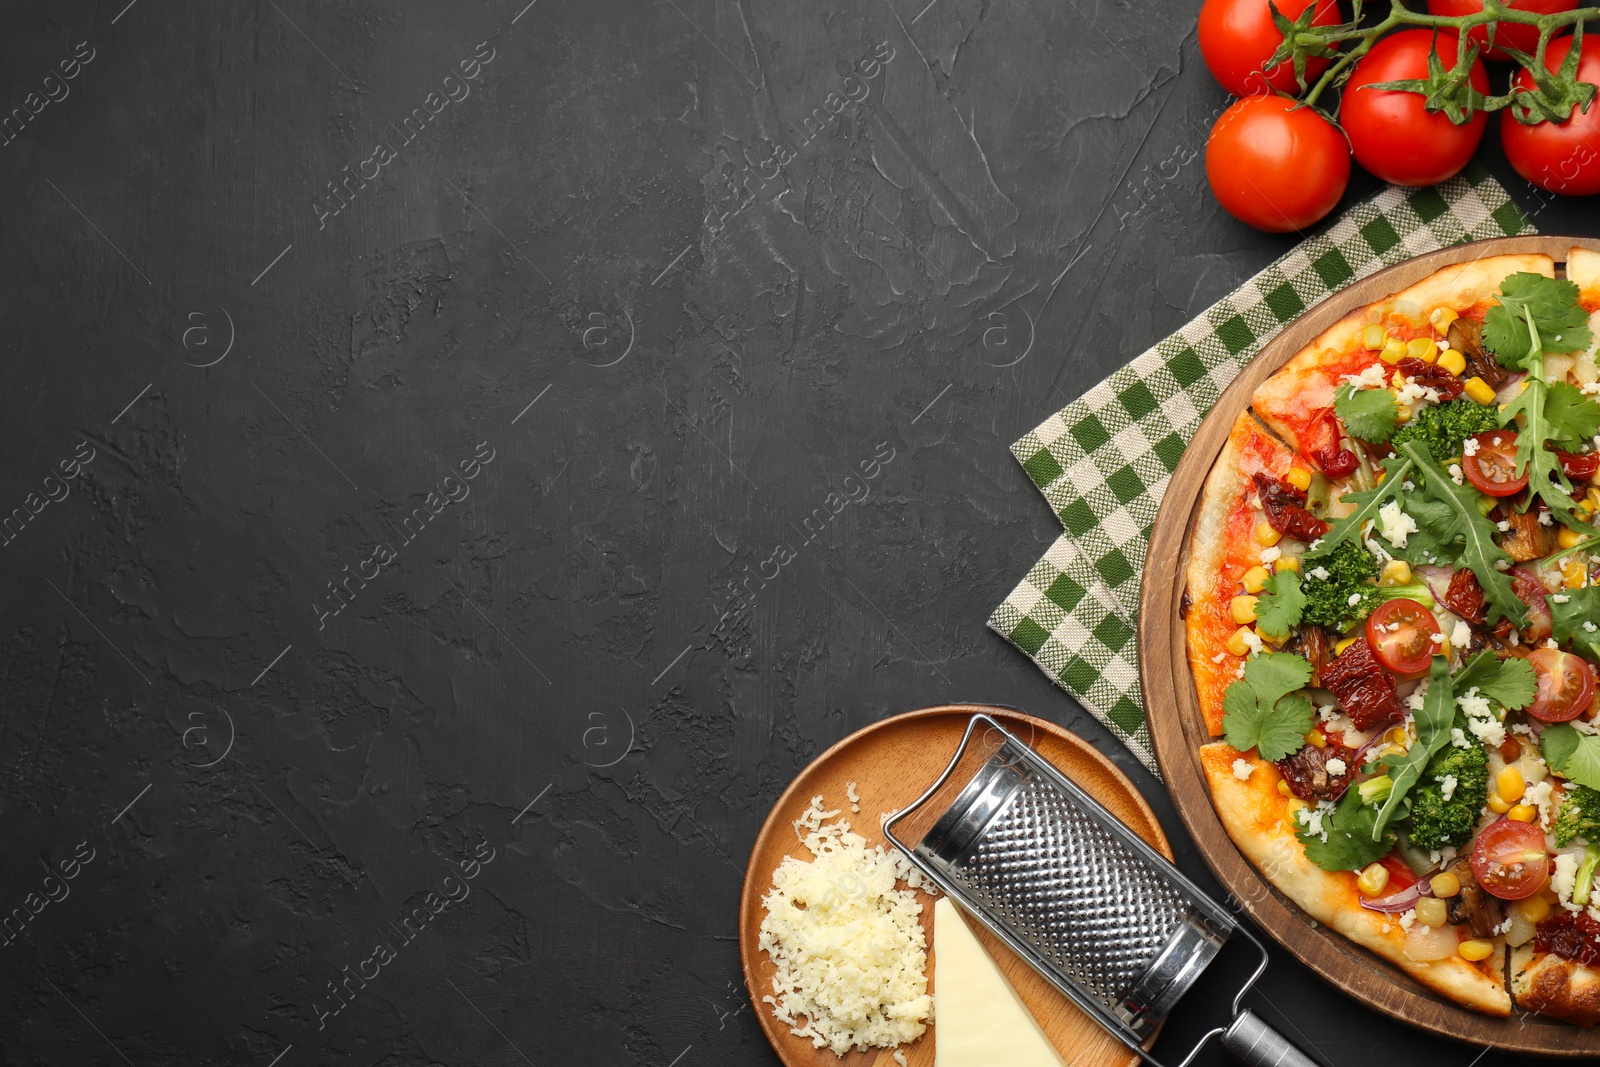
x: 1103, y: 461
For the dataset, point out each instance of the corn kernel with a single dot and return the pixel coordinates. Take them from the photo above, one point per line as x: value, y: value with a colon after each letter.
x: 1592, y: 498
x: 1568, y: 537
x: 1441, y: 318
x: 1395, y: 572
x: 1255, y: 579
x: 1275, y: 640
x: 1384, y: 474
x: 1574, y: 573
x: 1432, y: 911
x: 1316, y: 739
x: 1237, y: 644
x: 1374, y: 336
x: 1339, y: 648
x: 1453, y: 361
x: 1522, y: 813
x: 1266, y: 535
x: 1445, y: 885
x: 1244, y: 609
x: 1398, y: 736
x: 1372, y: 881
x: 1300, y: 478
x: 1394, y: 351
x: 1510, y: 784
x: 1283, y: 788
x: 1289, y: 563
x: 1478, y: 391
x: 1293, y: 806
x: 1583, y: 511
x: 1397, y: 380
x: 1403, y: 412
x: 1476, y: 949
x: 1444, y: 648
x: 1534, y: 909
x: 1498, y: 806
x: 1422, y: 348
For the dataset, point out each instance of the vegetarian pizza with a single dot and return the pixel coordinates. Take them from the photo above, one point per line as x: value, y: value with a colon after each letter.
x: 1393, y: 620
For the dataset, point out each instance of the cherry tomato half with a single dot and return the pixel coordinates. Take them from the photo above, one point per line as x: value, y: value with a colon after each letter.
x: 1275, y: 165
x: 1522, y: 37
x: 1566, y: 685
x: 1492, y: 468
x: 1527, y: 587
x: 1401, y: 633
x: 1579, y: 466
x: 1561, y: 157
x: 1390, y: 130
x: 1237, y: 38
x: 1509, y: 859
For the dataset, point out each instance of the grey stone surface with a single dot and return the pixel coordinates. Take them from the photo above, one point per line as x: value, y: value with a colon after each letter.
x: 432, y: 381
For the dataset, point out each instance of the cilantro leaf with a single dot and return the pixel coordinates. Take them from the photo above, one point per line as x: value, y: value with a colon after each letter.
x: 1572, y: 621
x: 1367, y: 505
x: 1433, y: 721
x: 1475, y: 532
x: 1280, y: 604
x: 1535, y: 315
x: 1509, y: 682
x: 1370, y: 414
x: 1573, y: 418
x: 1574, y: 756
x: 1354, y: 838
x: 1264, y: 711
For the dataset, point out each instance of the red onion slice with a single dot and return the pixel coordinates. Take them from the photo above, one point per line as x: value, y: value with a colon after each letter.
x: 1437, y: 580
x: 1404, y: 900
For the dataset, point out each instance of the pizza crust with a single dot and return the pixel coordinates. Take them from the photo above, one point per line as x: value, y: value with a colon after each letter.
x: 1222, y: 549
x: 1547, y: 984
x: 1303, y: 388
x: 1257, y: 819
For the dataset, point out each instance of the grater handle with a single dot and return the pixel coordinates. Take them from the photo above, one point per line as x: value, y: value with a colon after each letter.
x: 1256, y: 1044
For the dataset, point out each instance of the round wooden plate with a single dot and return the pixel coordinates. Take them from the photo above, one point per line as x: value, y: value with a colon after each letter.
x: 1179, y: 729
x: 891, y: 762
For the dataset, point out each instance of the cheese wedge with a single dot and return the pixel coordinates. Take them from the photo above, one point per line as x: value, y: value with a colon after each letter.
x: 979, y: 1021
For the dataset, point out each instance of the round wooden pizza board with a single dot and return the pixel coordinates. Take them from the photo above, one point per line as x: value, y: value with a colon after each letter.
x: 891, y: 762
x: 1179, y: 729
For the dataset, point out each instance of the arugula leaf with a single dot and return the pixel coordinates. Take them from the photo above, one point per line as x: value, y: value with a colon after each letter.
x: 1575, y: 622
x: 1573, y: 418
x: 1354, y: 838
x: 1425, y: 544
x: 1367, y: 505
x: 1574, y: 756
x: 1370, y: 414
x: 1280, y: 604
x: 1546, y: 480
x: 1433, y: 722
x: 1475, y: 532
x: 1264, y: 711
x: 1535, y: 315
x: 1509, y: 682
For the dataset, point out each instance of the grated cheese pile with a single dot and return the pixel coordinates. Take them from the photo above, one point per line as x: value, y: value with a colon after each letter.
x: 850, y: 953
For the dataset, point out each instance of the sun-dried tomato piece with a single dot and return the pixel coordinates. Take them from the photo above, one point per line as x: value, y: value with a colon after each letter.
x: 1465, y: 597
x: 1308, y: 776
x: 1286, y: 509
x: 1431, y: 376
x: 1364, y: 691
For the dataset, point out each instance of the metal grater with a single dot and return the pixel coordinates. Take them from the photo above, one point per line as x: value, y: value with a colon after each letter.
x: 1107, y: 919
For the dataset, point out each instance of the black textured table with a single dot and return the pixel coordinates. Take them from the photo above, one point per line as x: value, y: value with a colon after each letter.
x: 462, y: 460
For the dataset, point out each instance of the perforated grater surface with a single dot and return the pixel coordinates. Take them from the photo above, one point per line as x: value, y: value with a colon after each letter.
x: 1102, y: 915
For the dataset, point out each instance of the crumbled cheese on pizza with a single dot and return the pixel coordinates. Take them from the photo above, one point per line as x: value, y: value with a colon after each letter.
x: 1243, y: 769
x: 1505, y: 565
x: 1270, y: 554
x: 1461, y: 635
x: 1407, y: 918
x: 1469, y: 447
x: 1559, y: 598
x: 1411, y: 391
x: 852, y: 965
x: 1481, y: 719
x: 1355, y: 598
x: 1252, y: 641
x: 1414, y: 701
x: 1320, y: 573
x: 1589, y: 627
x: 1455, y: 474
x: 1219, y: 657
x: 1409, y: 486
x: 1447, y: 786
x: 1541, y: 795
x: 1396, y: 524
x: 1312, y: 818
x: 1564, y: 878
x: 1546, y: 519
x: 1336, y: 766
x: 1503, y: 928
x: 1459, y: 739
x: 1503, y: 526
x: 1550, y: 642
x: 1373, y: 377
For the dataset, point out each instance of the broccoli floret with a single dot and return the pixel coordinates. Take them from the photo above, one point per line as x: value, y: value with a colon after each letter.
x: 1437, y: 822
x: 1442, y: 427
x: 1578, y: 816
x: 1350, y: 571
